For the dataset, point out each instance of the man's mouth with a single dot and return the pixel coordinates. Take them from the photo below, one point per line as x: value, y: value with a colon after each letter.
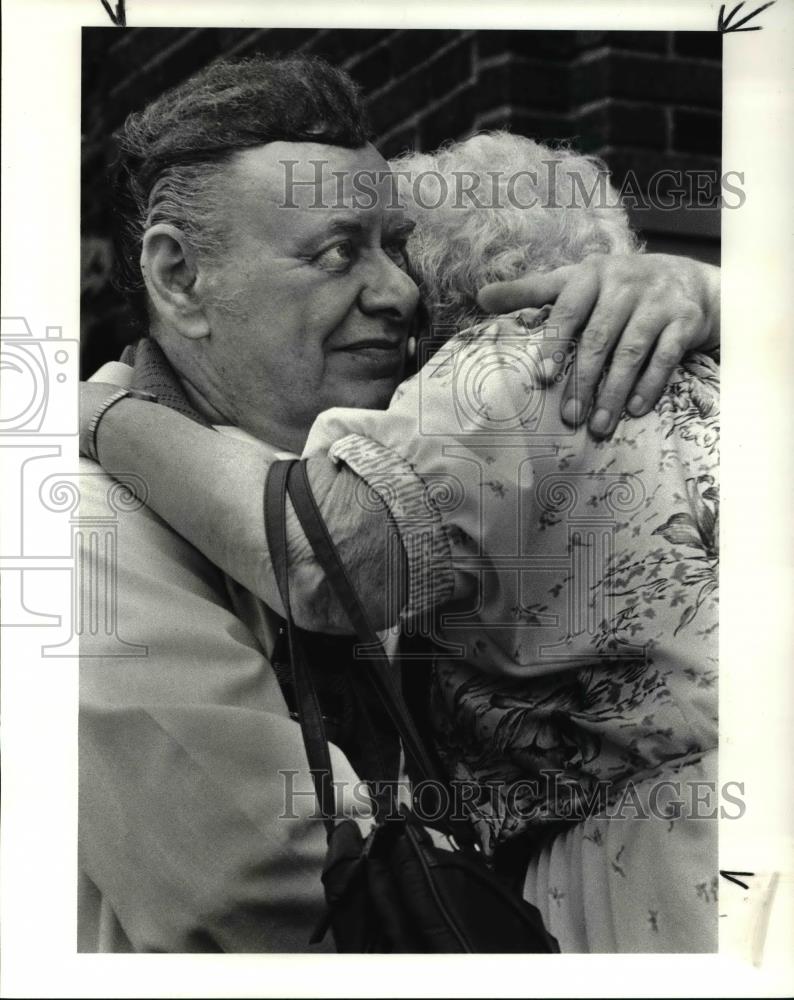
x: 375, y: 344
x: 376, y: 357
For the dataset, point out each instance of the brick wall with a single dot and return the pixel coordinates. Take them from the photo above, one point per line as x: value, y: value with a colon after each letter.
x: 644, y: 101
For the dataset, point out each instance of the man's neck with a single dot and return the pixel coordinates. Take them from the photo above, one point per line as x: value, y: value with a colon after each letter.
x: 282, y: 438
x: 203, y: 400
x: 200, y: 403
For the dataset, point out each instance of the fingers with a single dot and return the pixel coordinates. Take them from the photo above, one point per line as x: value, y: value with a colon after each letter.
x: 574, y: 304
x: 668, y: 352
x: 567, y: 317
x: 628, y: 357
x: 531, y: 290
x: 642, y: 313
x: 596, y: 344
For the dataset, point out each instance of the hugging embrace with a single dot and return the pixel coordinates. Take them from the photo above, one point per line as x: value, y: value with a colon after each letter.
x: 546, y: 528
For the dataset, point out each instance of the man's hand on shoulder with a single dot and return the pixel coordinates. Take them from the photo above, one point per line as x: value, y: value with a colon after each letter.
x: 637, y: 315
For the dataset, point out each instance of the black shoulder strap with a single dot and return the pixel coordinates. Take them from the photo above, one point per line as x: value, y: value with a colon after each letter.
x: 308, y: 705
x: 381, y: 671
x: 290, y: 477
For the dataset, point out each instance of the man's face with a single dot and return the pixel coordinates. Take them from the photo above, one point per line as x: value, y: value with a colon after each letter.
x: 311, y: 307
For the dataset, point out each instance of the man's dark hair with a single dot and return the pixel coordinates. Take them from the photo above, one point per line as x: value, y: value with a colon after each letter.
x: 170, y: 154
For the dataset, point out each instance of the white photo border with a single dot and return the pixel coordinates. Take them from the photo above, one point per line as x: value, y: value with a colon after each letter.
x: 40, y: 283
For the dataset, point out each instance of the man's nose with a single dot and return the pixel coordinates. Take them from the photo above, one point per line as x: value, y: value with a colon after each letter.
x: 389, y: 291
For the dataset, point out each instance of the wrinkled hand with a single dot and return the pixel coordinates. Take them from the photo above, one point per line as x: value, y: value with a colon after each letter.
x: 92, y: 395
x: 638, y: 315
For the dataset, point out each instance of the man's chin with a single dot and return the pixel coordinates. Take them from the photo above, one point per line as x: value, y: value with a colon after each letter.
x: 370, y: 394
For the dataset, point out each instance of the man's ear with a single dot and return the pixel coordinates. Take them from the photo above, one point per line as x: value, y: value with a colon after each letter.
x: 170, y: 272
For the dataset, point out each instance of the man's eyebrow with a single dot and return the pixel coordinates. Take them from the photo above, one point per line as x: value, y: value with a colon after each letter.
x: 329, y: 228
x: 402, y: 228
x: 350, y: 226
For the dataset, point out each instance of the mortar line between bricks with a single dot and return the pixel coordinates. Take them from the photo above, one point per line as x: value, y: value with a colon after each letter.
x: 448, y: 97
x: 162, y: 56
x: 415, y: 120
x: 421, y: 68
x: 698, y: 161
x: 696, y: 108
x: 566, y: 120
x: 319, y: 33
x: 412, y: 122
x: 683, y: 63
x: 242, y: 43
x: 603, y: 102
x: 481, y: 121
x: 489, y: 62
x: 592, y: 55
x: 353, y: 60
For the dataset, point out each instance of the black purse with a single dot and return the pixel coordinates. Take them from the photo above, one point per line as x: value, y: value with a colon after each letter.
x: 395, y: 890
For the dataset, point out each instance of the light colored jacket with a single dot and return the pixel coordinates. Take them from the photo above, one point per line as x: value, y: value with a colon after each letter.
x: 187, y: 756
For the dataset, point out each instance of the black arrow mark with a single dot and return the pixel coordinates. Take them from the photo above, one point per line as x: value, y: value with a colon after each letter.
x: 119, y: 17
x: 724, y: 23
x: 730, y: 877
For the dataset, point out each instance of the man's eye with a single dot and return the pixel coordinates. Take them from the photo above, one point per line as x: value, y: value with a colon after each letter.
x: 337, y: 257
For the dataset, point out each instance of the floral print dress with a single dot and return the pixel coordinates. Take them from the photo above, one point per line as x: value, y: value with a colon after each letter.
x: 571, y: 588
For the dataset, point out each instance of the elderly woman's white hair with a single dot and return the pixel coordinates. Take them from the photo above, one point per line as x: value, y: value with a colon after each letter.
x: 497, y: 206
